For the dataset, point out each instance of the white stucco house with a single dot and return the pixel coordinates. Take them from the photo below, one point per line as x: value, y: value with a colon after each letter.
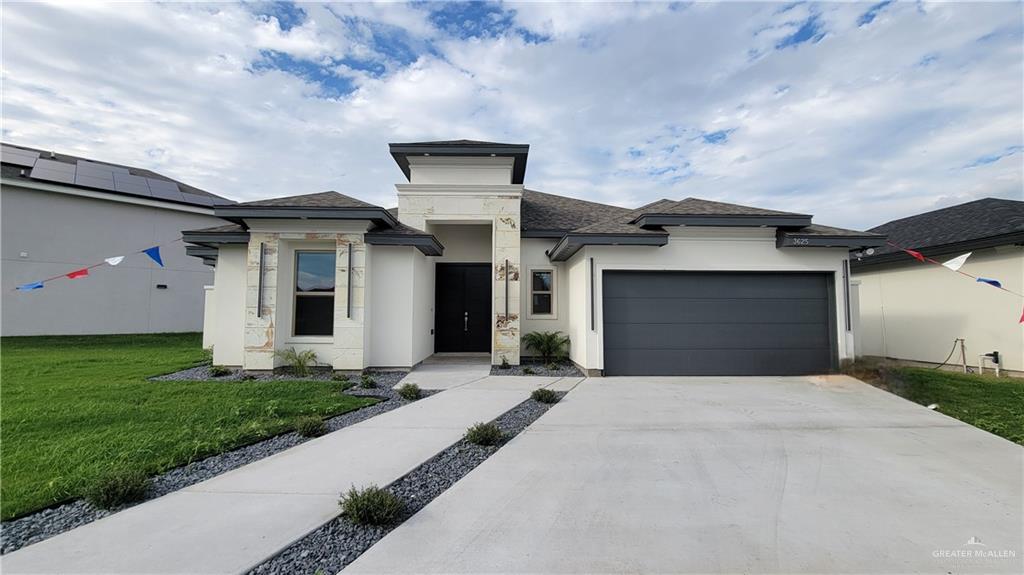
x: 471, y: 260
x: 62, y: 212
x: 915, y: 311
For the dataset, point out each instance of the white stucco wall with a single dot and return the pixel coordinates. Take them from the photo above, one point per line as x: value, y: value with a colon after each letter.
x: 534, y: 258
x: 423, y: 307
x: 391, y: 323
x: 48, y: 233
x: 227, y: 328
x: 459, y: 171
x: 463, y: 243
x: 915, y: 311
x: 692, y: 249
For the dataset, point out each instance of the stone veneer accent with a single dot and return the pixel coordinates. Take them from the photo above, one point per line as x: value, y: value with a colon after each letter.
x: 260, y: 328
x: 349, y: 332
x: 498, y: 205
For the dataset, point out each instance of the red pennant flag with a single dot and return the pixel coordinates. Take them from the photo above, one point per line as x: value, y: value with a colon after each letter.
x: 78, y: 273
x: 1021, y: 316
x: 917, y: 255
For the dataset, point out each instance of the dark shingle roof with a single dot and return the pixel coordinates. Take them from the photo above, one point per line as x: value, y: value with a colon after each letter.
x: 548, y: 212
x: 819, y: 230
x: 454, y: 143
x: 225, y: 229
x: 11, y: 171
x: 329, y: 199
x: 699, y: 207
x: 984, y: 219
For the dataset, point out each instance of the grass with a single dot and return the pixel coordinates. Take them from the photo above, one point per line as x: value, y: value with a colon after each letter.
x: 73, y: 408
x: 986, y: 402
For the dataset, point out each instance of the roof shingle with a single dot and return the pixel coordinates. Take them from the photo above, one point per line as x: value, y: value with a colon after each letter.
x: 330, y: 199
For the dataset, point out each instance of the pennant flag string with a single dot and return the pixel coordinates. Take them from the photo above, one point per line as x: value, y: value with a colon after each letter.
x: 954, y: 265
x: 153, y: 253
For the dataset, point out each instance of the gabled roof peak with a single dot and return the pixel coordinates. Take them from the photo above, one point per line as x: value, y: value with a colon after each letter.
x: 328, y: 199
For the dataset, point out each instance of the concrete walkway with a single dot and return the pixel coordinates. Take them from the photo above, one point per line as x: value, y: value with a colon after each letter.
x: 237, y: 520
x: 446, y: 372
x: 726, y: 475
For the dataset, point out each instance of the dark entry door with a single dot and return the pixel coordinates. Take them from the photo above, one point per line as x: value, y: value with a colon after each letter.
x: 718, y: 323
x: 462, y: 314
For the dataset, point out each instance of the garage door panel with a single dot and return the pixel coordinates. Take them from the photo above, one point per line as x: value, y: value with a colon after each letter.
x: 715, y: 362
x: 739, y: 285
x: 682, y: 310
x: 717, y: 336
x: 724, y: 323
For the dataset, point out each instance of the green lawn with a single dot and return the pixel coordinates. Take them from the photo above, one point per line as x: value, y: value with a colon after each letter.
x: 72, y: 407
x: 987, y: 402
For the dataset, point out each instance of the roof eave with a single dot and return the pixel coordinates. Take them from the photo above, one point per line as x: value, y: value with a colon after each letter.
x: 238, y: 214
x: 572, y: 243
x: 784, y: 239
x: 518, y: 152
x: 723, y: 220
x: 428, y: 244
x: 1014, y: 238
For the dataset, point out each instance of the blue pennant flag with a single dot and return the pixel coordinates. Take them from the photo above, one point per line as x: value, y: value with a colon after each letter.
x: 154, y: 254
x: 990, y: 282
x: 30, y: 286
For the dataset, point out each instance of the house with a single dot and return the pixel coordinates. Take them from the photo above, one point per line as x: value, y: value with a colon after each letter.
x: 914, y: 311
x: 61, y: 213
x: 471, y: 260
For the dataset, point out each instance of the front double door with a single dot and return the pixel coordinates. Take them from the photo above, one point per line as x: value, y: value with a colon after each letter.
x: 462, y: 311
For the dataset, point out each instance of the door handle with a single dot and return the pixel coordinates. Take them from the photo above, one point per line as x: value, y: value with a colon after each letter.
x: 465, y: 322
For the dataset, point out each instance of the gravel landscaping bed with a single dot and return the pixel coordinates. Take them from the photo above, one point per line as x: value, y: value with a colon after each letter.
x: 202, y: 372
x: 339, y: 542
x: 567, y: 369
x: 44, y: 524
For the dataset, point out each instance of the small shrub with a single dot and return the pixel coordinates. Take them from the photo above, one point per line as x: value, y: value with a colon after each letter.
x: 551, y: 366
x: 219, y: 371
x: 117, y: 487
x: 340, y: 377
x: 371, y: 506
x: 551, y: 345
x: 504, y: 363
x: 528, y: 371
x: 410, y: 392
x: 300, y: 362
x: 248, y: 377
x: 484, y: 434
x: 367, y: 382
x: 544, y: 395
x: 207, y: 356
x: 310, y: 426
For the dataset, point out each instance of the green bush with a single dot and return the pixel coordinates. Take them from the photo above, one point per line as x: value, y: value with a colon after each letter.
x: 340, y: 377
x: 544, y: 395
x: 300, y: 362
x: 367, y: 382
x: 371, y: 506
x: 551, y: 345
x: 484, y: 434
x: 410, y: 392
x: 117, y: 487
x: 219, y: 371
x: 528, y: 371
x: 310, y: 426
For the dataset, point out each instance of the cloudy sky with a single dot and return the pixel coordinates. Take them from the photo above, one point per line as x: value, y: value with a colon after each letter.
x: 857, y: 113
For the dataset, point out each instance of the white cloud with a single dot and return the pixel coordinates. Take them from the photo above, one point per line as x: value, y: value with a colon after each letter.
x: 861, y: 124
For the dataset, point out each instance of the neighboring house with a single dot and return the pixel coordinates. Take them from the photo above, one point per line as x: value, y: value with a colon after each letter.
x: 913, y: 310
x: 471, y: 260
x: 61, y: 213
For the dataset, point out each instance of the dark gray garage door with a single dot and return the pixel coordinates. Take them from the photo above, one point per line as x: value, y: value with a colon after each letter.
x: 735, y: 323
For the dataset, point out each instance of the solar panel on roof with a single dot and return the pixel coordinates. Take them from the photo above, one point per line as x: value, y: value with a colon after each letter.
x: 97, y: 168
x: 18, y: 157
x: 53, y: 171
x: 103, y: 183
x: 164, y: 190
x: 129, y: 184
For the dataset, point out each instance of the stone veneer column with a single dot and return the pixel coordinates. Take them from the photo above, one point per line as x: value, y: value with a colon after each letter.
x: 259, y: 327
x: 348, y: 331
x: 506, y: 327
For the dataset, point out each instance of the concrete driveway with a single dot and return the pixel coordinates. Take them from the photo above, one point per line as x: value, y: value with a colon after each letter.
x: 726, y: 475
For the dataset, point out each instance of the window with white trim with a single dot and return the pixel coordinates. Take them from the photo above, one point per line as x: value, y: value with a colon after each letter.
x: 542, y: 292
x: 314, y: 293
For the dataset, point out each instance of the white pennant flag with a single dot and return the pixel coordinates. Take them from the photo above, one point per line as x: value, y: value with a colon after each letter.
x: 958, y: 262
x: 114, y: 260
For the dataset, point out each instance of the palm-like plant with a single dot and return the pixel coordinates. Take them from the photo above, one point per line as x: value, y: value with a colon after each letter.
x: 551, y: 345
x: 299, y: 361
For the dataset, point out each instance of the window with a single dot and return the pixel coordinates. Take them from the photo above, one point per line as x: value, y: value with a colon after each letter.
x: 314, y: 293
x: 542, y: 284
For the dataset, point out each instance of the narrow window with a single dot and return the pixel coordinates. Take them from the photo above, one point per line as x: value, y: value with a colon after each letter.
x: 314, y: 293
x: 541, y: 286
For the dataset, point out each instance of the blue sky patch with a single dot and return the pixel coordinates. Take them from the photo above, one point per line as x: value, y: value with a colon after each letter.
x: 288, y: 14
x: 872, y: 13
x: 809, y: 31
x: 993, y: 158
x: 466, y: 20
x: 717, y: 138
x: 331, y: 85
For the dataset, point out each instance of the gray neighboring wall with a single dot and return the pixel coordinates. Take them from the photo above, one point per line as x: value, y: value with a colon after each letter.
x: 44, y: 233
